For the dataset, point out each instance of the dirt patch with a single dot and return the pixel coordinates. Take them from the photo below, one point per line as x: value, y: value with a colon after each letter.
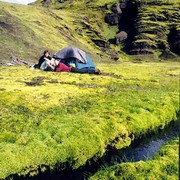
x: 5, y: 25
x: 53, y: 81
x: 82, y: 85
x: 112, y: 75
x: 2, y: 89
x: 37, y: 81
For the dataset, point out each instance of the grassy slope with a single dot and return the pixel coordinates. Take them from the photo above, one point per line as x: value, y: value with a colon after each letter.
x: 54, y: 118
x: 163, y: 166
x: 36, y: 28
x: 154, y: 33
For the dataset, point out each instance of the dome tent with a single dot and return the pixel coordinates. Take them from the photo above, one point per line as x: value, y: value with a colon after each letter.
x: 76, y: 56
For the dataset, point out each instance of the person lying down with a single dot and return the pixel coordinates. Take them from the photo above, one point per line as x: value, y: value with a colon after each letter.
x: 57, y: 66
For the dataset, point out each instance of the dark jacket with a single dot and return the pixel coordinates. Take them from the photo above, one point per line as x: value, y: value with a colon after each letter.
x: 41, y: 60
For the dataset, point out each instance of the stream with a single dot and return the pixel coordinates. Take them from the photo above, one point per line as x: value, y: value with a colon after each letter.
x: 139, y: 150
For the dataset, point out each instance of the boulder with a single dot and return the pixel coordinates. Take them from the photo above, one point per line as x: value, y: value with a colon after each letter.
x: 120, y: 37
x: 116, y: 8
x: 112, y: 19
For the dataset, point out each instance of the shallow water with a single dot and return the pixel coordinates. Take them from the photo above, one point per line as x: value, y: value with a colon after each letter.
x: 140, y: 150
x: 144, y: 150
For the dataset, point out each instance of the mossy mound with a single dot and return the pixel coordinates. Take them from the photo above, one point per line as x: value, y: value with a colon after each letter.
x: 163, y: 166
x: 59, y: 120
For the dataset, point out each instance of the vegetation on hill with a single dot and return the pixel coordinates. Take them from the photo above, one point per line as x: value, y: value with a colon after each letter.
x: 152, y: 26
x: 82, y: 24
x: 27, y: 30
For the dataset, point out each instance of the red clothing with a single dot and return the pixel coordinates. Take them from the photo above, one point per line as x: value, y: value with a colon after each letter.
x: 62, y: 67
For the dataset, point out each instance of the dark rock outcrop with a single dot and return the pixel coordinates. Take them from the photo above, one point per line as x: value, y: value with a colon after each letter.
x: 100, y: 43
x: 151, y: 34
x: 174, y: 40
x: 162, y: 45
x: 116, y: 8
x: 5, y: 25
x: 142, y: 47
x: 147, y: 25
x: 124, y: 3
x: 45, y: 2
x: 167, y: 54
x: 15, y: 61
x: 112, y: 19
x: 62, y: 1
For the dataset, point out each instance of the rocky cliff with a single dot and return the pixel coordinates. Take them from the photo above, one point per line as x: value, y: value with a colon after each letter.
x: 151, y: 27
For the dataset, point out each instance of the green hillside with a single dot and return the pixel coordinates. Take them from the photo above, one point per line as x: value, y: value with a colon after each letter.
x: 56, y: 121
x: 27, y: 30
x: 152, y: 26
x: 54, y: 25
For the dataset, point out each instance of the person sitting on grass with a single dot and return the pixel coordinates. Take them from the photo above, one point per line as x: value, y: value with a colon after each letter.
x: 46, y: 54
x: 57, y: 66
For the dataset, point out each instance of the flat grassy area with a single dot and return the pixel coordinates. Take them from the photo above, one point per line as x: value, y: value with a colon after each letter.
x: 56, y: 120
x: 163, y: 166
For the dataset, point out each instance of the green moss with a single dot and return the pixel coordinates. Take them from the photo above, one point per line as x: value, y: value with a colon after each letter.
x: 70, y: 118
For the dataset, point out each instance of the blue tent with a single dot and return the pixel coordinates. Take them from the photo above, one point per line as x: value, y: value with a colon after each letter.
x: 72, y: 55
